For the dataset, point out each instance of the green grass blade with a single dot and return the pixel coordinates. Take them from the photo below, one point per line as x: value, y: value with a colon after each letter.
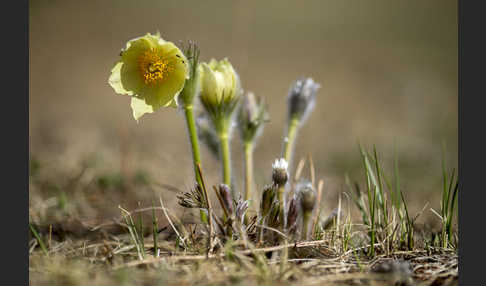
x: 357, y: 199
x: 155, y: 230
x: 450, y: 189
x: 444, y: 177
x: 451, y: 213
x: 37, y: 236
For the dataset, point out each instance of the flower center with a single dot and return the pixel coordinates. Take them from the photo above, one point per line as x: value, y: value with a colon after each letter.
x: 153, y: 67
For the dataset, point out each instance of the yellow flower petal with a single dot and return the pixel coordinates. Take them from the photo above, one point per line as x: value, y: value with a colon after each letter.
x: 115, y: 80
x: 139, y: 108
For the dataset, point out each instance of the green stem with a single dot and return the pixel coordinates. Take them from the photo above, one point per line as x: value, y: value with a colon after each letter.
x: 225, y: 153
x: 196, y: 157
x: 290, y: 139
x: 248, y: 168
x: 305, y: 224
x: 287, y: 155
x: 191, y: 126
x: 281, y: 197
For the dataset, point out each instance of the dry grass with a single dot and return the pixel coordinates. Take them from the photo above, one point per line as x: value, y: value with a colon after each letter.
x: 103, y: 251
x: 114, y: 262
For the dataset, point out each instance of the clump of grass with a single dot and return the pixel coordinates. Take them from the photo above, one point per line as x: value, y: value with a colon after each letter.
x: 450, y: 189
x: 135, y: 234
x: 385, y: 213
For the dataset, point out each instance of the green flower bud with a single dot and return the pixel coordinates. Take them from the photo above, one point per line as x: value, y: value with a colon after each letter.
x: 220, y: 89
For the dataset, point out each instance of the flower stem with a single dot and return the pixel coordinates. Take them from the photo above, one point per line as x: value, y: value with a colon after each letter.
x: 196, y: 157
x: 248, y: 168
x: 225, y: 153
x: 281, y: 197
x: 191, y: 126
x: 290, y: 139
x: 305, y: 224
x: 287, y: 155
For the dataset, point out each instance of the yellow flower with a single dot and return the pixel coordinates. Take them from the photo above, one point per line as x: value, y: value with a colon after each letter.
x: 151, y: 70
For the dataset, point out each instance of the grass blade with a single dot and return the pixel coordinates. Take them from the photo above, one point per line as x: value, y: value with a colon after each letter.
x: 37, y: 236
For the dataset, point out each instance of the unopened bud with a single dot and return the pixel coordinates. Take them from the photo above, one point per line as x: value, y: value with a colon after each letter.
x: 251, y: 116
x: 225, y: 193
x: 292, y: 214
x: 307, y: 197
x: 241, y: 209
x: 274, y: 215
x: 220, y: 90
x: 268, y: 196
x: 280, y: 174
x: 301, y: 98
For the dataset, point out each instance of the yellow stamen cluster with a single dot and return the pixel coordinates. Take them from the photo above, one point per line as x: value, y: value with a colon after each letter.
x: 153, y: 67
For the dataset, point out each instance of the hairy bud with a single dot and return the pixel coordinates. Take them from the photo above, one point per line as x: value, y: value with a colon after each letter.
x: 307, y: 197
x: 280, y: 174
x: 225, y: 193
x: 301, y: 98
x: 268, y: 196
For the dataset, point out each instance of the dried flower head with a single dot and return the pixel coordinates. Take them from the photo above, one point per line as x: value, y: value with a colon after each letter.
x: 193, y: 199
x: 152, y: 71
x: 301, y: 99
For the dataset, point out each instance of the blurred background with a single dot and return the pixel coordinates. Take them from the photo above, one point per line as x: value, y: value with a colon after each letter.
x: 388, y: 71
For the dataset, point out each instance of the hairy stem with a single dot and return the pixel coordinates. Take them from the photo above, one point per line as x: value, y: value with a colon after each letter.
x: 248, y: 168
x: 191, y: 126
x: 281, y: 198
x: 225, y: 156
x: 196, y: 157
x: 290, y: 139
x: 305, y: 225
